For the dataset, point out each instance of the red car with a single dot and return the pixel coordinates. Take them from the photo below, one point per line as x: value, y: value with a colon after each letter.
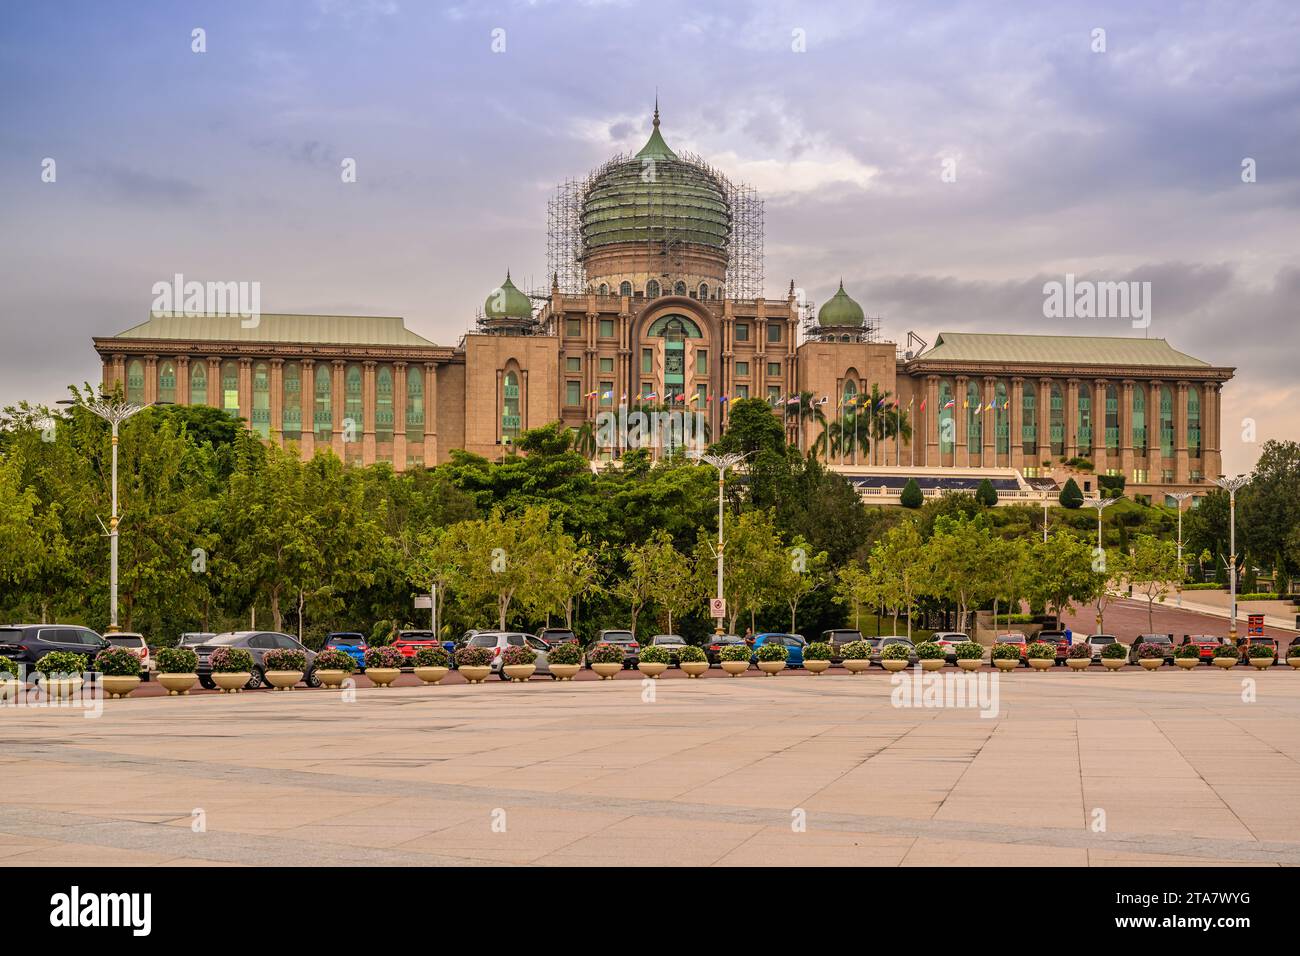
x: 1060, y: 639
x: 1207, y: 643
x: 1015, y: 637
x: 411, y: 642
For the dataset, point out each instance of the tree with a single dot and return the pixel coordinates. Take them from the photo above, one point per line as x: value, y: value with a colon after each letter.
x: 896, y: 567
x: 1269, y: 507
x: 1060, y: 572
x: 958, y: 563
x: 500, y: 558
x: 801, y: 574
x: 911, y: 496
x: 753, y: 561
x: 672, y: 582
x: 1008, y: 564
x: 1071, y: 497
x: 636, y: 585
x: 1114, y: 582
x: 575, y: 572
x: 985, y: 494
x: 854, y: 588
x: 751, y: 427
x: 1152, y: 571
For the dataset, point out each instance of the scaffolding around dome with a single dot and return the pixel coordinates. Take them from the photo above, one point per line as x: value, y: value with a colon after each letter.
x: 744, y: 245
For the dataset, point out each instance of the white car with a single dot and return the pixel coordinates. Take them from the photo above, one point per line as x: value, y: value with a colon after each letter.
x: 136, y: 644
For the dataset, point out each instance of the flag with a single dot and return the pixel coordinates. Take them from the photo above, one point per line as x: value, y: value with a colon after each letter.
x: 922, y: 404
x: 722, y: 399
x: 623, y: 400
x: 608, y: 394
x: 949, y: 404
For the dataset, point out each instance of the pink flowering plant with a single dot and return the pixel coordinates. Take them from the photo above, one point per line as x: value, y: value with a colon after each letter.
x: 384, y: 657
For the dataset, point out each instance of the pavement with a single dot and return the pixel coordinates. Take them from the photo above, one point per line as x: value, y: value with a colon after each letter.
x: 1126, y: 618
x: 1092, y: 769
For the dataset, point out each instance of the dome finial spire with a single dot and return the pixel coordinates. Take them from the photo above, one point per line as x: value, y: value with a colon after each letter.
x: 656, y: 107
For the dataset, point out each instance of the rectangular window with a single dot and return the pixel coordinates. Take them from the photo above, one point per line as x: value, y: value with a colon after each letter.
x: 773, y: 369
x: 701, y: 361
x: 773, y: 392
x: 774, y: 331
x: 573, y: 364
x: 742, y: 391
x: 606, y: 328
x: 573, y: 328
x: 606, y: 393
x: 742, y: 370
x: 573, y: 394
x: 647, y: 361
x: 701, y: 398
x: 742, y: 331
x: 1139, y: 476
x: 607, y: 365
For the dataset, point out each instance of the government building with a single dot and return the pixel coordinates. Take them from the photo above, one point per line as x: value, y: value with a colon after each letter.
x: 656, y: 300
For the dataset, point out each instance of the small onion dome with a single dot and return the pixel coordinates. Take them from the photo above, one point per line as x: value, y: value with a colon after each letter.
x: 840, y: 311
x: 507, y: 302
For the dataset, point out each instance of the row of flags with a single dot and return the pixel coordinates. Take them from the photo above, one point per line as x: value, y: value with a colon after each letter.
x: 858, y: 401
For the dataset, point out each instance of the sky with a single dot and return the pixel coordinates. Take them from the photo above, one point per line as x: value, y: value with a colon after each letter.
x: 944, y: 159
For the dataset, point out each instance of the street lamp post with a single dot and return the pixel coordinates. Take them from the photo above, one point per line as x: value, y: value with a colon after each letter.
x: 1180, y: 497
x: 1044, y: 517
x: 721, y: 463
x: 1101, y: 504
x: 115, y: 412
x: 1230, y: 485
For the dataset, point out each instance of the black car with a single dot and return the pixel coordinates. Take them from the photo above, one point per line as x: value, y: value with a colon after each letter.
x: 1164, y: 641
x: 25, y: 644
x: 257, y: 643
x: 714, y: 647
x: 837, y: 638
x: 672, y: 643
x: 557, y: 635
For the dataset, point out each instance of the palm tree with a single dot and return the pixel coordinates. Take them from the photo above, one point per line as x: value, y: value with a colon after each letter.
x: 805, y: 406
x: 846, y: 435
x: 887, y: 422
x: 584, y: 442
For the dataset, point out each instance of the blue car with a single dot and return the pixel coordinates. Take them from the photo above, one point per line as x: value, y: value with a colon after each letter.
x: 350, y: 643
x: 794, y: 645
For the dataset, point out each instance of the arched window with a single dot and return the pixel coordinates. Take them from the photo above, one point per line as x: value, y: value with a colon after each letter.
x: 261, y: 412
x: 1029, y: 420
x: 135, y: 381
x: 704, y: 290
x: 1140, y: 418
x: 510, y: 419
x: 1056, y: 420
x: 679, y: 288
x: 1112, y: 419
x: 1166, y: 421
x: 1194, y: 421
x: 1002, y: 419
x: 625, y: 288
x: 384, y: 404
x: 167, y: 381
x: 722, y: 292
x: 230, y: 388
x: 974, y: 420
x: 1083, y: 432
x: 604, y: 288
x: 947, y: 418
x: 353, y: 408
x: 291, y: 402
x: 323, y: 414
x: 652, y: 289
x: 199, y: 383
x: 414, y: 405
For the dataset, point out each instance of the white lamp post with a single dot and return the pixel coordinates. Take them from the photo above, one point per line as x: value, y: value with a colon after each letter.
x: 722, y: 463
x: 1230, y: 485
x: 1180, y: 497
x: 1044, y: 517
x: 1101, y: 504
x: 115, y: 412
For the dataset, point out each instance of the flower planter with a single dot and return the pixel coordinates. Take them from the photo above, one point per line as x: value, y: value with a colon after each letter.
x: 771, y: 668
x: 1040, y: 664
x: 692, y: 668
x: 932, y: 665
x: 1005, y: 665
x: 735, y: 668
x: 328, y: 678
x: 383, y: 676
x: 1294, y: 662
x: 178, y: 685
x: 10, y: 687
x: 283, y: 680
x: 1261, y: 662
x: 565, y: 671
x: 519, y: 672
x: 119, y: 685
x: 816, y: 667
x: 1227, y: 663
x: 606, y: 671
x: 61, y: 688
x: 893, y: 665
x: 1078, y: 663
x: 1152, y: 664
x: 1113, y: 663
x: 1187, y: 663
x: 231, y: 683
x: 431, y: 675
x: 857, y: 667
x: 652, y: 668
x: 970, y: 664
x: 476, y: 673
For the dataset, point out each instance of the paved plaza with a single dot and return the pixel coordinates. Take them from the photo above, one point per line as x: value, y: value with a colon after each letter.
x: 1092, y: 769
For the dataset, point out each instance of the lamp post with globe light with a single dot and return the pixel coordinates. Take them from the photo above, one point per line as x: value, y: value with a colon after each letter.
x: 1101, y: 504
x: 721, y: 463
x: 1230, y: 485
x: 1180, y: 497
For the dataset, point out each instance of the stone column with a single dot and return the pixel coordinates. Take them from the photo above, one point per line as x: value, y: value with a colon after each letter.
x: 182, y: 380
x: 989, y: 425
x: 214, y: 382
x: 1072, y: 418
x: 150, y: 378
x: 337, y: 373
x: 1212, y: 455
x: 1181, y: 464
x: 1016, y: 423
x: 1044, y: 411
x: 960, y: 449
x: 1155, y: 457
x: 931, y: 417
x: 1100, y: 452
x: 431, y: 449
x: 368, y: 412
x: 307, y: 444
x: 399, y: 416
x: 1126, y: 429
x: 246, y: 390
x: 277, y: 401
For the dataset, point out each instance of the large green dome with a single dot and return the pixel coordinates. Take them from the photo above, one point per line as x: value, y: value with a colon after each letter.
x: 840, y: 311
x: 507, y: 302
x: 655, y: 196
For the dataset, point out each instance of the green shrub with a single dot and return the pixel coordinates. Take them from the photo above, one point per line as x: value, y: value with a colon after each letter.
x: 1115, y: 651
x: 1228, y: 650
x: 1071, y: 497
x: 1148, y: 651
x: 230, y: 660
x: 606, y: 654
x: 384, y: 656
x: 473, y: 657
x: 518, y: 656
x: 773, y: 652
x: 1006, y: 652
x: 335, y: 660
x: 1265, y: 596
x: 8, y: 667
x: 1260, y: 651
x: 1041, y: 651
x: 62, y: 663
x: 432, y: 657
x: 117, y: 662
x: 735, y: 652
x: 569, y: 653
x: 177, y: 660
x: 856, y: 651
x: 969, y: 651
x: 1111, y: 484
x: 1294, y: 650
x: 896, y: 652
x: 985, y: 494
x: 911, y: 496
x: 381, y: 634
x: 817, y: 651
x: 690, y: 654
x: 1187, y: 652
x: 1205, y: 586
x: 283, y: 659
x: 655, y: 655
x: 930, y: 651
x: 1080, y: 651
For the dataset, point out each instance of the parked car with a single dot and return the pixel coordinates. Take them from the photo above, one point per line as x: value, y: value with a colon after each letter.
x: 794, y: 645
x: 1018, y: 638
x: 1208, y: 644
x: 350, y: 643
x: 837, y: 637
x: 498, y: 641
x: 257, y: 643
x: 715, y: 645
x: 408, y: 643
x: 1165, y: 642
x: 672, y: 643
x: 1246, y: 643
x: 949, y: 640
x: 624, y: 639
x: 136, y: 644
x: 1099, y: 641
x: 25, y: 644
x: 879, y: 644
x: 1062, y: 641
x: 557, y: 635
x: 193, y: 639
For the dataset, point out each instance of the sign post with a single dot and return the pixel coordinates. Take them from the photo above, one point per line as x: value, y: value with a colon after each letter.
x: 1255, y: 625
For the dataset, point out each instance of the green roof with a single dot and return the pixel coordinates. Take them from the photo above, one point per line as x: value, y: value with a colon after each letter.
x: 506, y: 301
x: 1057, y: 350
x: 296, y: 329
x: 840, y: 311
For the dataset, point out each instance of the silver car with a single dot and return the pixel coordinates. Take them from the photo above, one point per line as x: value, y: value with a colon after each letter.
x: 498, y: 641
x: 257, y: 643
